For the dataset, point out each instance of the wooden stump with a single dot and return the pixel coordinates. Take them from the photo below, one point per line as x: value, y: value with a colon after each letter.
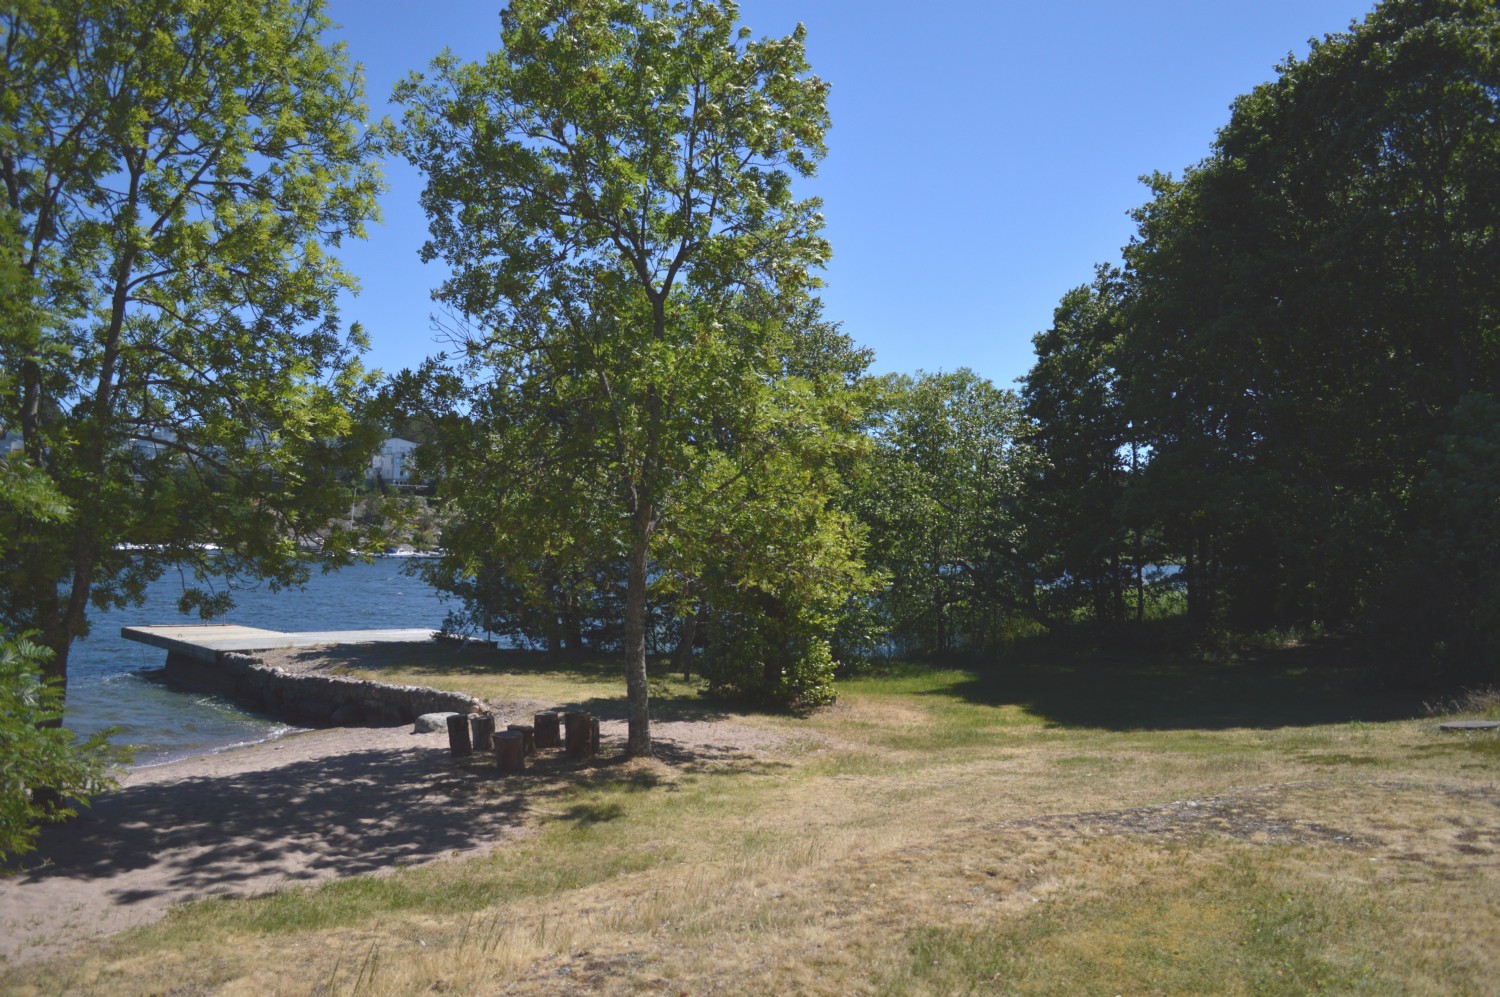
x: 510, y: 751
x: 547, y: 732
x: 458, y: 736
x: 594, y: 735
x: 482, y: 726
x: 579, y: 741
x: 528, y: 736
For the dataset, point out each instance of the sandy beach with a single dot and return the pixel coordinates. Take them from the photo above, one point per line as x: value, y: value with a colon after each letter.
x: 304, y: 808
x: 307, y: 807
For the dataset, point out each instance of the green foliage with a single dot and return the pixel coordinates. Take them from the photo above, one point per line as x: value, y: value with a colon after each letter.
x: 771, y: 662
x: 612, y: 192
x: 175, y: 175
x: 940, y: 496
x: 1077, y: 536
x: 1298, y: 316
x: 43, y: 771
x: 1442, y: 602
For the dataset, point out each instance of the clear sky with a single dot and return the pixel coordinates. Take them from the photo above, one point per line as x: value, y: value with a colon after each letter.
x: 982, y: 159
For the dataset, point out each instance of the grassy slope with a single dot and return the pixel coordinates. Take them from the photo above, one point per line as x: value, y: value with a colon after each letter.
x: 1063, y: 826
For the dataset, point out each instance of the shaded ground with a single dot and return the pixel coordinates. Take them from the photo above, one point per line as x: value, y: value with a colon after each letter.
x: 309, y: 807
x: 1117, y: 689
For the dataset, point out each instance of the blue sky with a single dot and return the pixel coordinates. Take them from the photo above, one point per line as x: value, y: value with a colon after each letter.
x: 982, y: 159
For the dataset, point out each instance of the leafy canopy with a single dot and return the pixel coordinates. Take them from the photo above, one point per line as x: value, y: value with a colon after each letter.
x: 175, y: 173
x: 612, y: 191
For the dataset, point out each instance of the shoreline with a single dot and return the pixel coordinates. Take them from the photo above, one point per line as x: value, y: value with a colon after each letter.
x: 105, y: 687
x: 186, y: 754
x: 285, y: 691
x: 300, y: 809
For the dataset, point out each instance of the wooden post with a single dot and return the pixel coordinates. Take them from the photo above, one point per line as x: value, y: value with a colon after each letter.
x: 547, y: 733
x: 528, y: 736
x: 458, y: 736
x: 593, y: 735
x: 579, y: 735
x: 510, y: 751
x: 483, y: 727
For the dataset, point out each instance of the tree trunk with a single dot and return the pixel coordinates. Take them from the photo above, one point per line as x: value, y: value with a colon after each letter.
x: 684, y: 655
x: 572, y: 625
x: 1140, y: 567
x: 510, y: 751
x: 578, y: 735
x: 548, y: 727
x: 528, y: 736
x: 639, y: 741
x: 482, y: 731
x: 459, y: 744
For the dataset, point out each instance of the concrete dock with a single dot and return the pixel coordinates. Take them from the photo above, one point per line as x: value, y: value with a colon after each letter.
x: 219, y: 658
x: 203, y: 642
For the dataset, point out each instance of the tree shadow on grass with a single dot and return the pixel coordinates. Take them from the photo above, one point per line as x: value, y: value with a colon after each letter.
x: 664, y: 709
x: 340, y: 815
x: 1130, y: 690
x: 312, y: 819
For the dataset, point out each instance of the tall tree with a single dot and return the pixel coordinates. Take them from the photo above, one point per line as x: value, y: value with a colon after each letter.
x: 1075, y: 534
x: 1308, y: 306
x: 941, y: 498
x: 613, y: 192
x: 42, y: 768
x: 174, y: 173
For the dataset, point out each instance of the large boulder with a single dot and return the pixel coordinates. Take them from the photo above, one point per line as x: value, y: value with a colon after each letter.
x: 431, y: 723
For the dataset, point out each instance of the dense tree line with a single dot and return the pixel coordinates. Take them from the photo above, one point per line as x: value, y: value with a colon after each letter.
x: 1277, y: 413
x: 1303, y: 344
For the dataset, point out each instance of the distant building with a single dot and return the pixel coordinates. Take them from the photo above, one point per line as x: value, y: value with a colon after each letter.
x: 392, y: 465
x: 11, y: 443
x: 151, y: 443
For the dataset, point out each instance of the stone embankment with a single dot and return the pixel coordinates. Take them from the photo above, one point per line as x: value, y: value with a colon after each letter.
x: 310, y: 698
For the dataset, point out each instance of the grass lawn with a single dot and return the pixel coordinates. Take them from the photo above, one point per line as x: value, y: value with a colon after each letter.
x: 1089, y: 825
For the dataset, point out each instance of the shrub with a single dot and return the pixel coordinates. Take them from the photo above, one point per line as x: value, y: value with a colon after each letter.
x: 44, y: 771
x: 770, y: 662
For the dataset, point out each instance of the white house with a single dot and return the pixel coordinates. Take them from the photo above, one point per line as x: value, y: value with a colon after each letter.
x: 152, y: 442
x: 393, y: 463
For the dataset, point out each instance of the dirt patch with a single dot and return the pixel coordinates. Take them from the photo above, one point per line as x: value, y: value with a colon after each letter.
x: 306, y: 808
x: 1242, y: 817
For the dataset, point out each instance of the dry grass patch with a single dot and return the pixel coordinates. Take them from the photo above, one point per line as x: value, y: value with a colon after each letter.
x: 936, y: 832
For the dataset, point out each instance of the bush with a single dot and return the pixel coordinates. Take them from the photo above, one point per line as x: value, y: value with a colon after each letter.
x: 44, y: 772
x: 770, y: 662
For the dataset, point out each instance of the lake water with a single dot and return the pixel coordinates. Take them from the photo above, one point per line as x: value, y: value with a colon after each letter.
x: 109, y: 683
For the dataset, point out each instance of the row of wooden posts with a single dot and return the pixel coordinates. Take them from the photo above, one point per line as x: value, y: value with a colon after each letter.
x: 576, y: 733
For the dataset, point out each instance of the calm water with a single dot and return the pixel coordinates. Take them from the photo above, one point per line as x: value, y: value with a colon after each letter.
x: 108, y: 683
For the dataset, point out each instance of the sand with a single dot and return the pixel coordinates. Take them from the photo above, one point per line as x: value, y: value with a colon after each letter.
x: 307, y: 807
x: 304, y: 808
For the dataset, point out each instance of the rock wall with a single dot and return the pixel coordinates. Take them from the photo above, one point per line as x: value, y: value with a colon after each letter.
x: 312, y: 699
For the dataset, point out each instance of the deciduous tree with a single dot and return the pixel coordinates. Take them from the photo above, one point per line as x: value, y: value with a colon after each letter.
x: 174, y: 175
x: 613, y: 192
x: 1306, y: 308
x: 941, y: 499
